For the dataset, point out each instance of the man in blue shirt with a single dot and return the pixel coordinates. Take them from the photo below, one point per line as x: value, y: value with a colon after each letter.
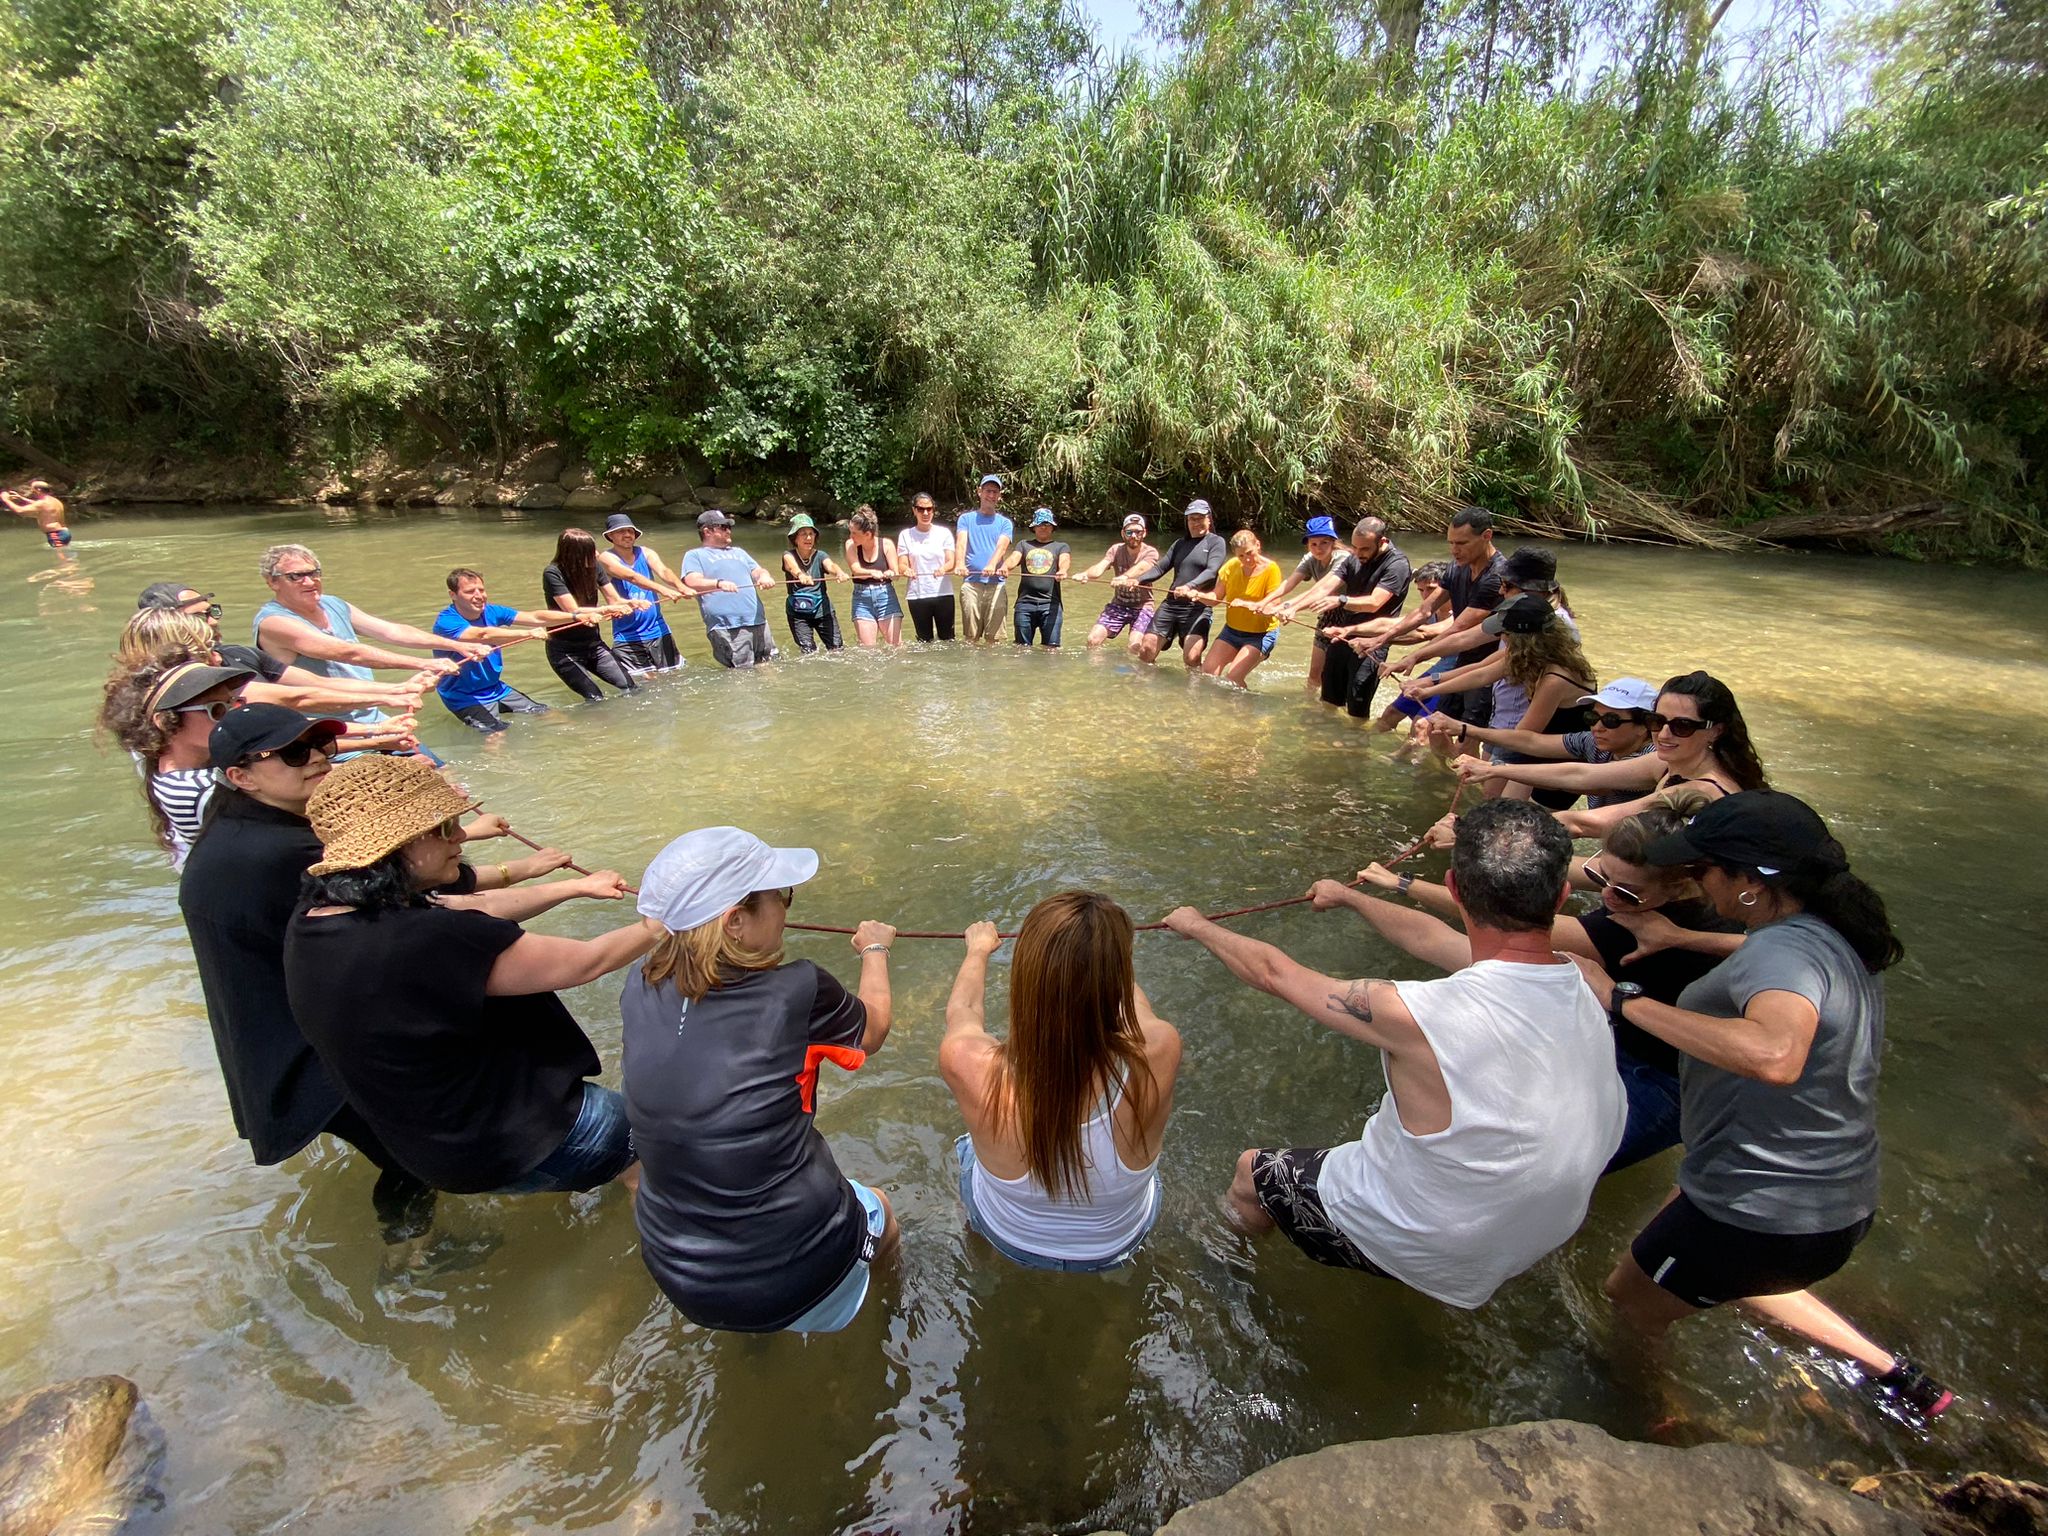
x: 983, y: 542
x: 729, y: 583
x: 478, y: 692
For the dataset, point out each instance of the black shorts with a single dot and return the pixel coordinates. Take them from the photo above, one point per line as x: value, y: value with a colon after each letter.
x: 1285, y: 1182
x: 1179, y: 620
x: 1474, y: 707
x: 1704, y: 1262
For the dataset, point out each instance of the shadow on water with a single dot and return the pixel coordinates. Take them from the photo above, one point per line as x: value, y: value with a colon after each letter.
x: 516, y: 1368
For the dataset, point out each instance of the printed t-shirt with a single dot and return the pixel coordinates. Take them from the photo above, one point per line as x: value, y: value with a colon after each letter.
x: 1038, y: 585
x: 339, y: 625
x: 642, y: 624
x: 727, y: 610
x: 1801, y: 1158
x: 929, y: 551
x: 481, y: 681
x: 1239, y: 590
x: 982, y: 533
x: 745, y: 1219
x: 1482, y: 592
x: 1663, y: 976
x: 469, y: 1092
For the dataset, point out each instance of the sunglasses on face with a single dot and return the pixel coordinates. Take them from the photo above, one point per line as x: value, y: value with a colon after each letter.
x: 450, y: 830
x: 787, y: 896
x: 1678, y: 728
x: 299, y: 753
x: 1602, y: 883
x: 1612, y: 722
x: 210, y: 611
x: 216, y: 711
x: 312, y: 575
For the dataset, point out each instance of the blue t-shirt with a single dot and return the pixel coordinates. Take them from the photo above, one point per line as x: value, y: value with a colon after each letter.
x: 641, y: 625
x: 339, y: 625
x: 727, y: 610
x: 981, y: 532
x: 479, y: 682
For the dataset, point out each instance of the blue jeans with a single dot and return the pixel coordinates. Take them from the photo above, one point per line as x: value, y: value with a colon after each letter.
x: 964, y: 1150
x: 1652, y: 1113
x: 598, y: 1148
x: 1044, y: 621
x: 841, y: 1304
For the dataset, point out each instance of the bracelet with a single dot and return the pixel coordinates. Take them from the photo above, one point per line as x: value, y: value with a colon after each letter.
x: 874, y: 949
x: 505, y: 873
x: 1403, y: 883
x: 1464, y: 730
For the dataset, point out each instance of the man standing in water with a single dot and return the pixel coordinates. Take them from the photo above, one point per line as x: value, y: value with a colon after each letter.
x: 1503, y: 1104
x: 1195, y: 559
x: 641, y: 638
x: 1369, y: 584
x: 984, y: 543
x: 41, y: 503
x: 1044, y: 560
x: 1477, y: 572
x: 478, y: 695
x: 729, y: 583
x: 1128, y: 608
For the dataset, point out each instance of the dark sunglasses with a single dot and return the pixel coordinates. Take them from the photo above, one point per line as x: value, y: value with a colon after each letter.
x: 217, y: 711
x: 210, y: 611
x: 1610, y: 721
x: 1679, y: 728
x: 312, y: 575
x: 299, y: 753
x: 787, y: 896
x: 1602, y: 883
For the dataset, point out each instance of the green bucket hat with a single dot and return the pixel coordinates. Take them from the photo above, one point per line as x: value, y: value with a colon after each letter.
x: 801, y: 521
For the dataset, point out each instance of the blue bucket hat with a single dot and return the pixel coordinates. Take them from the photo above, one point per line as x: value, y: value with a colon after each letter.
x: 1320, y: 528
x: 1043, y: 516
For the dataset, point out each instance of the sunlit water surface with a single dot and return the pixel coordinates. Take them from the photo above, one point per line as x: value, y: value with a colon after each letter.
x: 517, y: 1368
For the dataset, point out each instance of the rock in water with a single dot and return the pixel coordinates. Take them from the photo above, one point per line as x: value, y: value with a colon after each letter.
x: 1534, y: 1478
x: 56, y: 1444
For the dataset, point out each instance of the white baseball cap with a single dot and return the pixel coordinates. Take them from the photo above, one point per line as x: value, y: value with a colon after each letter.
x: 1624, y: 693
x: 706, y: 873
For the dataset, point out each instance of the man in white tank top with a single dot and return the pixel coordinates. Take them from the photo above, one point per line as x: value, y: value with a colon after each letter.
x: 1503, y: 1103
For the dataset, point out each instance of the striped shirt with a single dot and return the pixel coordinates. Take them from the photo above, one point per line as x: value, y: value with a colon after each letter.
x: 181, y: 795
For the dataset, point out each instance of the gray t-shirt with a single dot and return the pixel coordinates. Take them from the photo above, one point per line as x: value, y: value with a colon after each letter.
x: 1803, y: 1158
x: 745, y: 1220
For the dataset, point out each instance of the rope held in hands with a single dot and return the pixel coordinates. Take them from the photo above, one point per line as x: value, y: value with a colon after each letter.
x: 1215, y: 917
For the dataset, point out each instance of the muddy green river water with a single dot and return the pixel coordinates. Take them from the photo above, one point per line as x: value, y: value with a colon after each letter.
x: 516, y: 1369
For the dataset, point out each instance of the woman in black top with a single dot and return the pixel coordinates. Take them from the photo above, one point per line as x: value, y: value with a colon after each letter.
x: 577, y: 652
x: 439, y: 1022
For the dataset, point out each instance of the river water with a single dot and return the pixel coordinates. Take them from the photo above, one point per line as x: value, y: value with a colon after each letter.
x: 517, y: 1369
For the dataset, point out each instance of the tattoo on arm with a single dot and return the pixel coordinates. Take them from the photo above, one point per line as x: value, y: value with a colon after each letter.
x: 1355, y: 1000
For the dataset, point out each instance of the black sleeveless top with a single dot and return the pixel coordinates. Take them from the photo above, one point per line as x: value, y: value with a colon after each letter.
x: 872, y: 561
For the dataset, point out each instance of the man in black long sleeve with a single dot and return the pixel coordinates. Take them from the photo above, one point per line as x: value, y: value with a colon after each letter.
x: 1195, y: 559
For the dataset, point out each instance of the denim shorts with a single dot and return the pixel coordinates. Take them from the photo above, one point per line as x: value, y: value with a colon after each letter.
x: 598, y: 1148
x: 963, y: 1149
x: 840, y: 1304
x: 1241, y: 640
x: 877, y: 602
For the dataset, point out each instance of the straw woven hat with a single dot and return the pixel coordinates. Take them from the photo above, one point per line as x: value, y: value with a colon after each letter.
x: 374, y: 804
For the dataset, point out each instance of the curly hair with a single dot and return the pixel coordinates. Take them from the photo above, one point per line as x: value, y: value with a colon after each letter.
x: 125, y: 716
x: 1555, y: 647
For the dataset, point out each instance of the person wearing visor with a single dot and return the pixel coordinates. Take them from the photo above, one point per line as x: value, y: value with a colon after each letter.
x: 1129, y: 607
x: 1194, y: 561
x: 728, y: 584
x: 436, y: 1015
x: 641, y: 639
x: 983, y: 538
x: 162, y: 714
x: 1043, y: 562
x: 1780, y: 1047
x: 746, y: 1222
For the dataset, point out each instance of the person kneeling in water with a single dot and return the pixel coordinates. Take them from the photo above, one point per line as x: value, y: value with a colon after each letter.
x: 1059, y: 1166
x: 746, y: 1222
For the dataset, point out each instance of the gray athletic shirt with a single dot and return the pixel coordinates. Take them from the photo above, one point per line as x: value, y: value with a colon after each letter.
x: 1803, y: 1158
x: 745, y: 1220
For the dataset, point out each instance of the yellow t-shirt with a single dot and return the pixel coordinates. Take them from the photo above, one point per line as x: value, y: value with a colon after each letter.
x: 1239, y: 589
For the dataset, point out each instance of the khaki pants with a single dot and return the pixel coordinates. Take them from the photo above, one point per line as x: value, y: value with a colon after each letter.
x: 983, y: 607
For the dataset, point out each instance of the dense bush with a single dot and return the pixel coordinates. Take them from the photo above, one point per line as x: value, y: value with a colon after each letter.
x: 1584, y: 259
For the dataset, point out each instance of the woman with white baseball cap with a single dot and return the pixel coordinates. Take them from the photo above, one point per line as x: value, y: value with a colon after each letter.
x: 746, y: 1222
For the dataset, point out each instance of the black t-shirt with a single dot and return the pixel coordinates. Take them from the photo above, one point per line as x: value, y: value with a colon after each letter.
x: 265, y: 666
x: 1387, y: 571
x: 1038, y: 582
x: 1481, y: 592
x: 745, y: 1220
x: 469, y: 1092
x: 1662, y: 976
x: 567, y: 637
x: 238, y: 891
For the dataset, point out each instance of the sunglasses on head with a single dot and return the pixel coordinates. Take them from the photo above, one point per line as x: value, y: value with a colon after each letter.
x: 297, y: 754
x: 216, y: 711
x: 1609, y: 720
x: 1678, y: 727
x: 1602, y: 883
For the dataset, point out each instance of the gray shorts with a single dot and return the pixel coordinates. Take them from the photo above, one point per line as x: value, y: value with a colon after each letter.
x: 742, y: 646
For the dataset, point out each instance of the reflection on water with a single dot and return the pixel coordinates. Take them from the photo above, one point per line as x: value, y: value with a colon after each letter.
x: 517, y: 1368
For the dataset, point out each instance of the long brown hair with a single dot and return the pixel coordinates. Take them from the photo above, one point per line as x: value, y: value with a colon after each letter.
x: 576, y: 559
x: 1554, y: 647
x: 1073, y: 1025
x: 125, y: 715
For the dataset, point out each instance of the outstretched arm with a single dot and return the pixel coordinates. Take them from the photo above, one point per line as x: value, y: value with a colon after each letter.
x: 1429, y: 939
x: 1349, y: 1007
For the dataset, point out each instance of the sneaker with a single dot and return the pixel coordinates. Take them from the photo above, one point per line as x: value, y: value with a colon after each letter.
x: 1914, y: 1388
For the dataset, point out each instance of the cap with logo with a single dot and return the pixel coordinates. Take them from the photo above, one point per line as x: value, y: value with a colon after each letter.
x: 255, y: 728
x: 1624, y: 693
x: 705, y: 873
x: 1134, y: 524
x: 1765, y: 830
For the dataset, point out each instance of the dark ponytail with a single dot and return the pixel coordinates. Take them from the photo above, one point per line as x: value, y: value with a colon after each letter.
x: 384, y: 886
x: 1824, y: 888
x: 1732, y: 748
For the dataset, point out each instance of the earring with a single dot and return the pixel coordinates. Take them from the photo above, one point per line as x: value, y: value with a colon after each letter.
x: 1745, y: 899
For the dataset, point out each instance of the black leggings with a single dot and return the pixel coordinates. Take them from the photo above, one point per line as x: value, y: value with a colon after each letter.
x: 933, y: 617
x: 581, y: 670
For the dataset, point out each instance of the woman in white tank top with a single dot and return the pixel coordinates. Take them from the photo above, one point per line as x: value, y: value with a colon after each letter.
x: 1065, y: 1118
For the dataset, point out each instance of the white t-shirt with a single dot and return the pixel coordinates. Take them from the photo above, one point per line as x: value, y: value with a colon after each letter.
x: 929, y: 551
x: 1537, y: 1109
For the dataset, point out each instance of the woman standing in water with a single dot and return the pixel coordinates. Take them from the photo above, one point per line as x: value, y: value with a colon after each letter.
x: 1781, y: 1045
x: 746, y: 1222
x: 808, y: 607
x: 1066, y: 1117
x: 871, y: 559
x: 163, y: 715
x: 577, y: 652
x: 1247, y: 580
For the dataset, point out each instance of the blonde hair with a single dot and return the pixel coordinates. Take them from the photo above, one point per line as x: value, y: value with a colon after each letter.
x: 701, y: 958
x: 152, y: 635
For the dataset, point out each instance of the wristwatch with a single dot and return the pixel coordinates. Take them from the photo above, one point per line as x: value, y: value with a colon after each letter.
x: 1625, y: 992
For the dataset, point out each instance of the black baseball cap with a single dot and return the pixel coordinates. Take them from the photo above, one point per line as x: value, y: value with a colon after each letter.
x: 1761, y: 829
x: 261, y: 728
x: 1524, y: 615
x: 1532, y: 569
x: 169, y: 594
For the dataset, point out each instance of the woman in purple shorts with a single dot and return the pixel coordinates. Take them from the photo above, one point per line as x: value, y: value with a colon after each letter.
x: 1121, y: 612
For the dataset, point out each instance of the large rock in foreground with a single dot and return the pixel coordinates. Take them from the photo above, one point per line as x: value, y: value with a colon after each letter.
x: 1534, y: 1478
x: 57, y: 1445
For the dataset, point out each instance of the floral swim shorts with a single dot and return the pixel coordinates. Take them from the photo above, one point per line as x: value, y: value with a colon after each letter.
x: 1118, y: 615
